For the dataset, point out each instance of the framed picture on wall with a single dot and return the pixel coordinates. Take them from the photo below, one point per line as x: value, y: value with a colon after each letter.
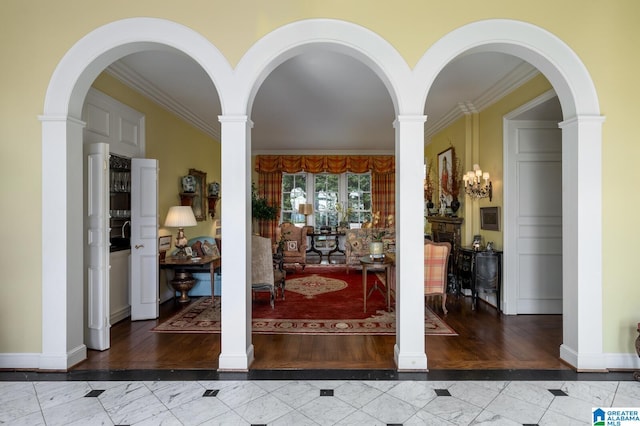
x: 490, y: 218
x: 199, y: 204
x: 445, y: 160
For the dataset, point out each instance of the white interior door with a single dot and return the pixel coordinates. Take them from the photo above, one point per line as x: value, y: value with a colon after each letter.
x: 535, y: 197
x: 97, y: 256
x: 144, y: 239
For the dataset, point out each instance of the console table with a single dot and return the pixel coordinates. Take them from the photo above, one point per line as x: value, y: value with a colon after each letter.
x: 481, y: 270
x: 328, y: 236
x: 183, y: 268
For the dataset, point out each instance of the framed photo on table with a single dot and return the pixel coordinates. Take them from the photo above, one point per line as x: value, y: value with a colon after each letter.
x: 164, y: 244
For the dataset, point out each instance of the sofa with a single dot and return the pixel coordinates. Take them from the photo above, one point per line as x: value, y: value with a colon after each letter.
x: 201, y: 246
x: 356, y: 244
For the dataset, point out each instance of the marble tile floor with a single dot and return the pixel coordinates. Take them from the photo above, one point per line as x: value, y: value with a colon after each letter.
x: 311, y: 397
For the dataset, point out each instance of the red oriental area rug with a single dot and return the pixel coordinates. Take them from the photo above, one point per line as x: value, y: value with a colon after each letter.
x: 315, y: 303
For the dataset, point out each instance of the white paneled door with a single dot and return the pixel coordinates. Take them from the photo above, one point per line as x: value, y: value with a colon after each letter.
x: 535, y: 218
x: 144, y: 239
x: 97, y: 253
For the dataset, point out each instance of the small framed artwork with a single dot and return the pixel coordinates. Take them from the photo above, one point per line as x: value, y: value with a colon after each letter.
x: 189, y: 251
x: 164, y: 243
x: 490, y: 218
x: 445, y: 160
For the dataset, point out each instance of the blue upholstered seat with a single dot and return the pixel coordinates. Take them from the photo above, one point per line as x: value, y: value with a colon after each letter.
x: 202, y: 287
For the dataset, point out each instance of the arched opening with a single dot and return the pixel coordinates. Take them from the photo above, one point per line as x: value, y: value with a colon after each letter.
x: 581, y: 130
x: 62, y: 332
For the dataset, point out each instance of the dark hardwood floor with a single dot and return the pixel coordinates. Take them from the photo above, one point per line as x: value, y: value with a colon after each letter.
x: 486, y: 341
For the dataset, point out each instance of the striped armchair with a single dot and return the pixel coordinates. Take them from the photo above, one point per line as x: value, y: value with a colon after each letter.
x: 436, y: 260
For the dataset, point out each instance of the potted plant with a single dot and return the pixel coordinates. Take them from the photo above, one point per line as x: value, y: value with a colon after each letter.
x: 375, y: 245
x: 260, y: 208
x: 343, y: 215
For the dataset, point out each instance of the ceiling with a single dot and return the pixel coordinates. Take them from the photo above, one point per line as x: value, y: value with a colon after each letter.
x: 324, y: 101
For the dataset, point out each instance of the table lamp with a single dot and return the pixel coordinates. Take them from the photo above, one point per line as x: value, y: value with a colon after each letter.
x: 306, y: 210
x: 180, y: 217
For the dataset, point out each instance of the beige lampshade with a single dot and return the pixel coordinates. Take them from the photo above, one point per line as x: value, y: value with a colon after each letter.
x: 305, y: 209
x: 180, y: 217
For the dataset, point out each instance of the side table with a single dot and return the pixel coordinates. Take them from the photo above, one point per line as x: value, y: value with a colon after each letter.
x: 369, y: 264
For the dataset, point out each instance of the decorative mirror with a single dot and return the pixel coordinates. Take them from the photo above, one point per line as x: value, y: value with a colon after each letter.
x: 199, y: 204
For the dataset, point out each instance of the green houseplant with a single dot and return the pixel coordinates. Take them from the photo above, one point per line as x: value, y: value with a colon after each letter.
x: 261, y: 209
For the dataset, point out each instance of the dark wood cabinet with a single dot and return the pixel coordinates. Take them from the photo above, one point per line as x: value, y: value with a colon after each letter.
x: 481, y: 271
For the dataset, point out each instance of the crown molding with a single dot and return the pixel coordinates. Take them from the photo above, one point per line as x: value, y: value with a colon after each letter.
x: 141, y: 85
x: 514, y: 79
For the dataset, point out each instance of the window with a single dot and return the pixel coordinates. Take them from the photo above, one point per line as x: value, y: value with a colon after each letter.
x: 294, y: 193
x: 325, y: 191
x: 326, y: 196
x: 359, y: 197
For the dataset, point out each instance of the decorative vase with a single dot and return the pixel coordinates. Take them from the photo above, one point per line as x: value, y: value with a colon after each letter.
x: 375, y: 249
x: 455, y: 205
x: 214, y: 189
x: 430, y: 207
x: 188, y: 183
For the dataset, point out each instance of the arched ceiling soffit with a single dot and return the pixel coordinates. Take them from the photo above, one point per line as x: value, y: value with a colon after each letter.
x: 550, y: 55
x: 331, y: 35
x: 111, y: 42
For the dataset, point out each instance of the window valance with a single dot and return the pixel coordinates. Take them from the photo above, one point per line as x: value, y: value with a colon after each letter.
x: 325, y: 163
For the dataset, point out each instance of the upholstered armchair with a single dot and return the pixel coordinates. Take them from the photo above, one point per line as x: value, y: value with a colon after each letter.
x: 263, y: 273
x: 294, y: 244
x: 436, y: 259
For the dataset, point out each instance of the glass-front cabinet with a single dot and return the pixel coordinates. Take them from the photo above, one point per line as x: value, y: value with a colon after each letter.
x: 120, y: 202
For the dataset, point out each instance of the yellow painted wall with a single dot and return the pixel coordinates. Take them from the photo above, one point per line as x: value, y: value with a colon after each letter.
x: 176, y: 145
x: 34, y: 36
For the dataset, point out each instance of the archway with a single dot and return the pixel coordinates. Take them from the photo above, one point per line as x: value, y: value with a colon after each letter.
x: 581, y: 132
x: 62, y: 240
x: 62, y: 135
x: 370, y: 49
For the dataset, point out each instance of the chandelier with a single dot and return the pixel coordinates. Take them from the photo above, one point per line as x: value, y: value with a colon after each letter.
x: 473, y: 186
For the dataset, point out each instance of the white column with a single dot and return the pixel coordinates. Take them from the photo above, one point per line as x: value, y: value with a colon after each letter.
x: 62, y: 243
x: 236, y: 347
x: 582, y: 242
x: 409, y: 350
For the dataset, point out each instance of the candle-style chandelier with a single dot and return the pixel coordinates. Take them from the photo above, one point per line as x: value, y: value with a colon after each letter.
x: 473, y: 186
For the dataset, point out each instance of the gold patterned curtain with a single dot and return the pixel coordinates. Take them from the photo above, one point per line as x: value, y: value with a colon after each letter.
x: 382, y: 167
x: 383, y: 197
x: 270, y: 188
x: 325, y: 163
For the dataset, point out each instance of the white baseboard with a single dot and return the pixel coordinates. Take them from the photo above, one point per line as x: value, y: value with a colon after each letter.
x: 409, y: 361
x: 236, y: 362
x: 120, y: 314
x: 25, y: 361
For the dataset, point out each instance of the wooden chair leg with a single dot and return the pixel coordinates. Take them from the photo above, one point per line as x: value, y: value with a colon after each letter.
x: 444, y: 303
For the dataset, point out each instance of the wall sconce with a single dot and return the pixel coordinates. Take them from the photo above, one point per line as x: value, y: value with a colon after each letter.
x: 472, y: 185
